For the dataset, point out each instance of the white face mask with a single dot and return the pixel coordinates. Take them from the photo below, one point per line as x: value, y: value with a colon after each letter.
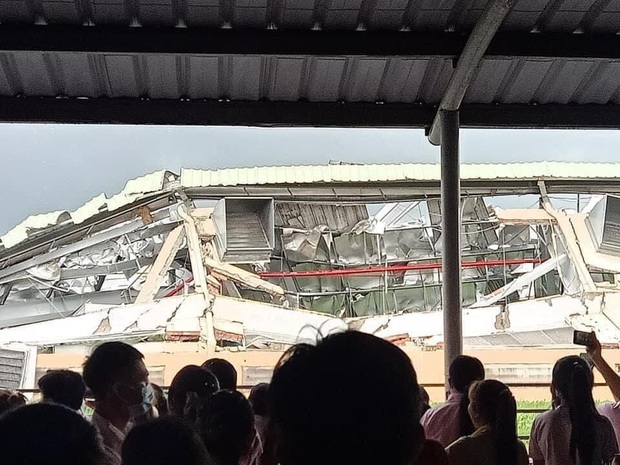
x: 139, y: 409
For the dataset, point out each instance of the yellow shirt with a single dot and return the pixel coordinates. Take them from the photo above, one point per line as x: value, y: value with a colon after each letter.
x: 478, y: 449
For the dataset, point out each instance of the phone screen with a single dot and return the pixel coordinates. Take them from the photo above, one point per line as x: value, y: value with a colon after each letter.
x: 581, y: 338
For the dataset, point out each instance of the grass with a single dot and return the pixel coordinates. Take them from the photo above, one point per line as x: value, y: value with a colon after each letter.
x: 525, y: 420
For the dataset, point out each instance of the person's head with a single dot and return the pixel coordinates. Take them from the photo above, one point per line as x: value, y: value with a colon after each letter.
x: 10, y: 400
x: 425, y: 400
x: 226, y: 425
x: 354, y: 394
x: 190, y: 379
x: 118, y: 378
x: 572, y: 382
x: 224, y: 371
x: 164, y: 441
x: 48, y: 434
x: 491, y: 404
x: 160, y: 402
x: 259, y: 399
x: 463, y: 371
x: 63, y: 387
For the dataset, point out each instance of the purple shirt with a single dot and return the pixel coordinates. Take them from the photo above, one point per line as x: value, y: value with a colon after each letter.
x: 441, y: 423
x: 611, y: 410
x: 550, y: 439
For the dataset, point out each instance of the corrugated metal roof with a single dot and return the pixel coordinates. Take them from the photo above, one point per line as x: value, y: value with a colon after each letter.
x: 291, y: 175
x: 315, y: 79
x: 548, y: 16
x: 134, y: 190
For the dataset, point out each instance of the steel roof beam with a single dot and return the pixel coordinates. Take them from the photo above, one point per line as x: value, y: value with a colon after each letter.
x: 469, y: 60
x: 303, y: 114
x: 197, y: 41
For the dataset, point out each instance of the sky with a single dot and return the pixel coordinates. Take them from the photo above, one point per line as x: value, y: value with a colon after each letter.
x: 60, y: 167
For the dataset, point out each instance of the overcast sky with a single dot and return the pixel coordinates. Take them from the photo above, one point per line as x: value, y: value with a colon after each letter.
x: 59, y: 167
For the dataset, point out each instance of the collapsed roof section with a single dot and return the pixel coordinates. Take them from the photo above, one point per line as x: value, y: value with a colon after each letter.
x: 232, y: 257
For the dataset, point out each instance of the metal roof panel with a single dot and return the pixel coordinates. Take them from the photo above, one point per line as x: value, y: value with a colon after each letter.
x: 109, y: 12
x: 63, y: 12
x: 203, y: 13
x: 286, y: 79
x: 525, y: 81
x: 157, y: 12
x: 246, y: 78
x: 76, y: 75
x: 488, y: 81
x: 162, y: 76
x: 121, y: 71
x: 33, y: 73
x: 325, y: 77
x: 403, y: 80
x: 366, y: 76
x: 203, y: 77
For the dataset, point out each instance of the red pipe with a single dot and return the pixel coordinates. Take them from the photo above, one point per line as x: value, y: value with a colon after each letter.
x: 391, y: 269
x: 179, y: 287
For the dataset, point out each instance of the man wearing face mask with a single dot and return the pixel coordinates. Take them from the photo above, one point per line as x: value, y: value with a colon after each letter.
x: 118, y: 378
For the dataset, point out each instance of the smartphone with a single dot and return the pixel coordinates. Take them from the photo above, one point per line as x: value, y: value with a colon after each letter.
x: 582, y: 338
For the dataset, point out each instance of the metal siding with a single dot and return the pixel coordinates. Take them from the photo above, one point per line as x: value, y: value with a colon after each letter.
x: 246, y: 77
x: 77, y: 76
x: 33, y: 73
x: 562, y: 86
x: 63, y: 12
x: 12, y: 364
x: 366, y: 79
x: 286, y: 79
x: 438, y: 83
x: 203, y: 13
x: 388, y: 14
x: 603, y: 87
x: 342, y: 14
x: 5, y: 86
x: 325, y: 77
x: 157, y: 12
x: 250, y: 13
x: 121, y: 76
x: 403, y: 80
x: 203, y: 77
x: 525, y: 81
x: 433, y: 15
x: 297, y: 14
x: 609, y: 19
x: 109, y: 12
x: 15, y: 11
x: 162, y: 76
x: 488, y: 81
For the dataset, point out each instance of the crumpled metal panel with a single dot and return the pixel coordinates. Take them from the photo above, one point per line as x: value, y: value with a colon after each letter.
x: 309, y: 216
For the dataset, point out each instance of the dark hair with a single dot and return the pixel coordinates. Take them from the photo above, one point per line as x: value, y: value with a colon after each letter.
x: 425, y: 401
x: 63, y: 387
x: 573, y: 379
x: 109, y: 363
x: 463, y: 371
x: 354, y: 394
x: 224, y: 371
x: 48, y: 434
x: 226, y: 425
x: 259, y: 399
x: 161, y: 403
x: 194, y: 379
x: 493, y: 402
x: 10, y: 400
x: 164, y: 441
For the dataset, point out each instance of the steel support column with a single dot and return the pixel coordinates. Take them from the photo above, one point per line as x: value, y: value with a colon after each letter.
x: 451, y: 235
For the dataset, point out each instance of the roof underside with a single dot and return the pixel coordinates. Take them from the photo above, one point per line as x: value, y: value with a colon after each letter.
x: 366, y: 63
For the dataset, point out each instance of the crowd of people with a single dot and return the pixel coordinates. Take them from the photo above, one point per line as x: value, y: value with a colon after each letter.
x: 352, y: 398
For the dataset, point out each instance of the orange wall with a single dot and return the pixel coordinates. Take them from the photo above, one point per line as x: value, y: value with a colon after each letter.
x: 428, y: 364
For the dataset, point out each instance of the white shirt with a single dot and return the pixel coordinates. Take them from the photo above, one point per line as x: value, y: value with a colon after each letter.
x: 111, y: 437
